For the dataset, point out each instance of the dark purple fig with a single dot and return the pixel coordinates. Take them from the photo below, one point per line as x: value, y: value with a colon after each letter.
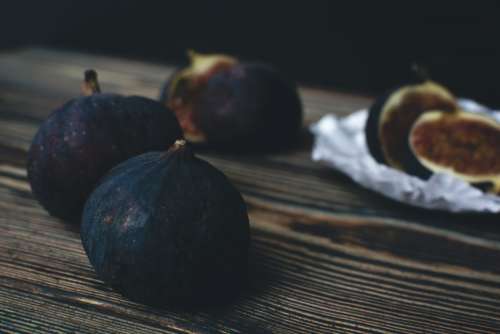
x: 167, y: 227
x: 463, y: 144
x: 226, y: 104
x: 86, y: 137
x: 392, y: 116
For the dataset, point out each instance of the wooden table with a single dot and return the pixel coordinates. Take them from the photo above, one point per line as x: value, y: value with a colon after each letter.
x: 327, y: 256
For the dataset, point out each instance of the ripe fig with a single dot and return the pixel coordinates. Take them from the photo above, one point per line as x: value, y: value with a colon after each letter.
x: 167, y: 227
x: 226, y: 104
x: 463, y: 144
x: 392, y: 115
x: 86, y: 137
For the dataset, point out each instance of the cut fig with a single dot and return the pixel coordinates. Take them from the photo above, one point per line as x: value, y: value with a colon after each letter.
x: 182, y: 90
x: 392, y: 116
x: 463, y: 144
x: 226, y: 104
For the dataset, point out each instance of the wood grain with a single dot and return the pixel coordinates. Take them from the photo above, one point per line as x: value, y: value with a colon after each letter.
x: 327, y: 256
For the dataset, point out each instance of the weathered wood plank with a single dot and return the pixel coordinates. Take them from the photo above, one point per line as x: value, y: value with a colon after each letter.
x: 327, y: 256
x: 307, y: 276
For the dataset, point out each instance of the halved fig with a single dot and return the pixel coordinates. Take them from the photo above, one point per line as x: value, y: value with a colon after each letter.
x: 392, y: 116
x: 182, y: 91
x: 223, y: 103
x: 464, y: 144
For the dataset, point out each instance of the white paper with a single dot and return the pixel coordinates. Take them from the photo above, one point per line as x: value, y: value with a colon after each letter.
x: 340, y: 143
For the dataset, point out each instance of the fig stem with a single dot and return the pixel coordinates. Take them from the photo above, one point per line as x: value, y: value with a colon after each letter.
x: 179, y: 143
x: 421, y: 72
x: 90, y: 84
x: 178, y: 146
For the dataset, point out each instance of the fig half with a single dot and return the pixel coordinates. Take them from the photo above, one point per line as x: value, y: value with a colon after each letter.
x: 463, y: 144
x: 223, y: 103
x: 392, y: 116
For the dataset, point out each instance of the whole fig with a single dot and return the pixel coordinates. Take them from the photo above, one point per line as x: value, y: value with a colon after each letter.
x: 86, y: 137
x: 167, y: 227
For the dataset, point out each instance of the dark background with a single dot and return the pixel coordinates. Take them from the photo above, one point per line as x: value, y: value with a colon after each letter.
x: 355, y: 46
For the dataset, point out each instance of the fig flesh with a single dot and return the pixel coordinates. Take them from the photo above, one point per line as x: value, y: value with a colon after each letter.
x: 463, y: 144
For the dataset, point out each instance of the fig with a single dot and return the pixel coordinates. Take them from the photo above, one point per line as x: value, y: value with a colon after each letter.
x: 223, y: 103
x: 167, y: 227
x: 86, y: 137
x: 463, y: 144
x: 392, y: 115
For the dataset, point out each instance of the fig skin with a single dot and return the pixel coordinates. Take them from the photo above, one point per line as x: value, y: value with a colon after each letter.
x: 85, y: 138
x: 225, y: 104
x: 167, y: 228
x: 372, y: 127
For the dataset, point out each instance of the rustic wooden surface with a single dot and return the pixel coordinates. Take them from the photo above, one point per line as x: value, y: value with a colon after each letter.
x: 327, y: 256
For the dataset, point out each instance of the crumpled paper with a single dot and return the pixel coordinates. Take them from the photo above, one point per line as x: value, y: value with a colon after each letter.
x: 341, y: 144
